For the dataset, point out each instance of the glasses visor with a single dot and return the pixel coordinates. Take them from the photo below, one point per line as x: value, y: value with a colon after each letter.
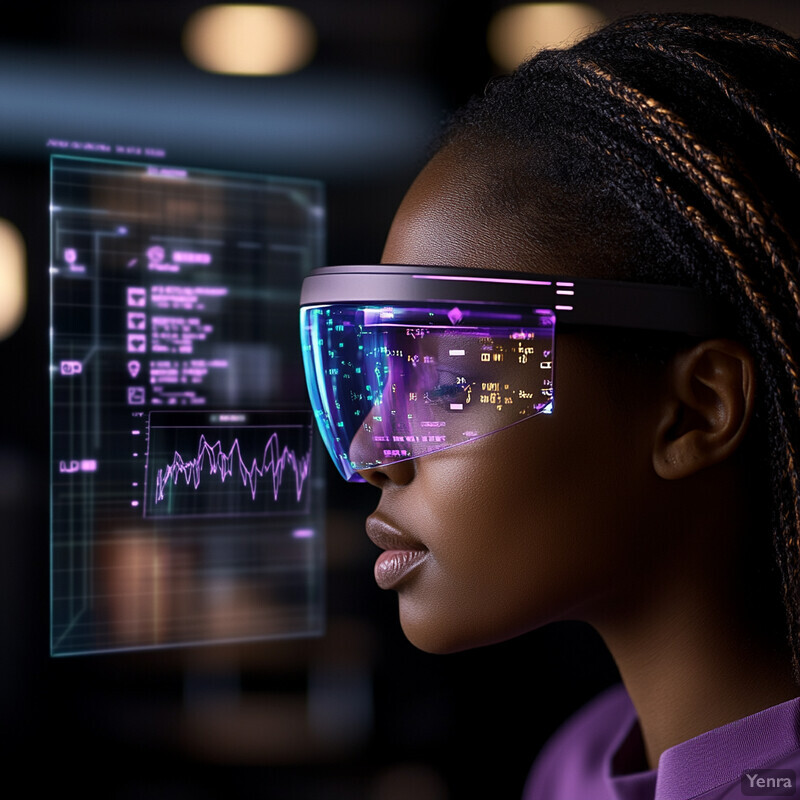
x: 392, y: 382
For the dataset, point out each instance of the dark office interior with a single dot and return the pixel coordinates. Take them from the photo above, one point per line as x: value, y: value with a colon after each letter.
x: 357, y: 712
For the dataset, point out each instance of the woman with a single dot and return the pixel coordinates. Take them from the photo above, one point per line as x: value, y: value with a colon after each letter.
x: 660, y: 501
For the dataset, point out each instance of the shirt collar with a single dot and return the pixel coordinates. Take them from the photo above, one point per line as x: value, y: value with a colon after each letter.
x: 723, y: 754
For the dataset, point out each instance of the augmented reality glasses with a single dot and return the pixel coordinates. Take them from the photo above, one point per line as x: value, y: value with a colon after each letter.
x: 403, y: 361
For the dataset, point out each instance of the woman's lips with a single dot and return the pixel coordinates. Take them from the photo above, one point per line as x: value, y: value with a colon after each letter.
x: 402, y: 555
x: 393, y: 565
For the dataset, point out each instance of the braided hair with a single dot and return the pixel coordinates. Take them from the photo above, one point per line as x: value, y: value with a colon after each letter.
x: 683, y: 132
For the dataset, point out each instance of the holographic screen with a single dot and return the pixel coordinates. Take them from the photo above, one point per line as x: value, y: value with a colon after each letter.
x: 187, y: 481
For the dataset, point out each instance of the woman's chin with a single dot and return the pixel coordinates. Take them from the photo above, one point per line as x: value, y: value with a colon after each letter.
x: 437, y: 634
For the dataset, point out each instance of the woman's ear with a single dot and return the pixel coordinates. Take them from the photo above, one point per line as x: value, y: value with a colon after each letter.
x: 708, y: 403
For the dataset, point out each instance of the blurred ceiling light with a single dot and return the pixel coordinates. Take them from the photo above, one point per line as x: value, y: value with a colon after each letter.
x: 13, y: 284
x: 249, y: 39
x: 519, y: 31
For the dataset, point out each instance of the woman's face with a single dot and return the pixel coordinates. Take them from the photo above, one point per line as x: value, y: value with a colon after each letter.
x: 548, y: 519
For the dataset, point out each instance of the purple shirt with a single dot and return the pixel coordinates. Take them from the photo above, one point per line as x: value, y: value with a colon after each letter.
x: 585, y: 759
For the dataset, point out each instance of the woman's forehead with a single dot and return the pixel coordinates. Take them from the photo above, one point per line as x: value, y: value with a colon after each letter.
x: 451, y: 216
x: 459, y: 212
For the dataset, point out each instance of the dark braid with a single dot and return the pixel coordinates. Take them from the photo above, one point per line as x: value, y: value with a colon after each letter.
x: 686, y: 126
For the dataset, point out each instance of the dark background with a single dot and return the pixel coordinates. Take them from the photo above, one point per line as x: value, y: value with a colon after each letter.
x: 358, y: 713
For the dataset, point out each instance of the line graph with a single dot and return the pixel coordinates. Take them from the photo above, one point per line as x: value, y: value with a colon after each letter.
x: 224, y: 464
x: 273, y: 462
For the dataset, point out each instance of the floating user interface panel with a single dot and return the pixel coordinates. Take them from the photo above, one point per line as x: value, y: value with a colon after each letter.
x: 186, y: 477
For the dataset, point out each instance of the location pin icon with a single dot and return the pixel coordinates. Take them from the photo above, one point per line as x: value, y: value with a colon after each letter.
x: 133, y: 368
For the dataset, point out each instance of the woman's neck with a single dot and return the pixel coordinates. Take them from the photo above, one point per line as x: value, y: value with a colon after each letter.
x: 690, y: 659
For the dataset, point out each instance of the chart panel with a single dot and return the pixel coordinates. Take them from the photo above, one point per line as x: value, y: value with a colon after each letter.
x: 186, y: 479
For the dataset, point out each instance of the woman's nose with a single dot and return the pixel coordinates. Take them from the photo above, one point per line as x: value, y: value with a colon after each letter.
x: 375, y: 443
x: 399, y: 473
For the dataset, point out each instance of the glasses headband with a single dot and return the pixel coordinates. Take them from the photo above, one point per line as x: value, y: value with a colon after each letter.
x: 404, y: 361
x: 576, y: 301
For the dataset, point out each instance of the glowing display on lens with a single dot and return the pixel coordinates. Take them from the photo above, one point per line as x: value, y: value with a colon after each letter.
x: 389, y: 383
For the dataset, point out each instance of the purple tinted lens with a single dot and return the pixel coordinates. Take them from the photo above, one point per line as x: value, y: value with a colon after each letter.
x: 391, y: 383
